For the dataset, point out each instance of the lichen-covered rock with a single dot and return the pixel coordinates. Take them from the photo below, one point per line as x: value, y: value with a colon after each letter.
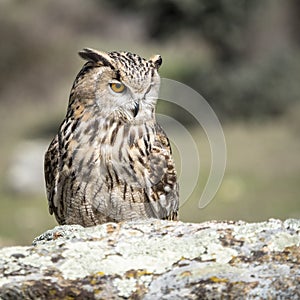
x: 156, y: 259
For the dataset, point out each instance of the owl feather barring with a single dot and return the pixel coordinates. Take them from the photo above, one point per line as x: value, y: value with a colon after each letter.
x: 110, y: 160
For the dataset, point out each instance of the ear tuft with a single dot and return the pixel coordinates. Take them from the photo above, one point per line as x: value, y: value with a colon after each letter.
x: 95, y: 56
x: 156, y: 60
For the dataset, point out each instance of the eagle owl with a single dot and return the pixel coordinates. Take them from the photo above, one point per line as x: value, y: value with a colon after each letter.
x: 110, y: 160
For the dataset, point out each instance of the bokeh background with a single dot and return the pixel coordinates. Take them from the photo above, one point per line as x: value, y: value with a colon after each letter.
x: 241, y: 55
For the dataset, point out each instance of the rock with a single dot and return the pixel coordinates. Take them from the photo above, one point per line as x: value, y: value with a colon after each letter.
x: 155, y: 259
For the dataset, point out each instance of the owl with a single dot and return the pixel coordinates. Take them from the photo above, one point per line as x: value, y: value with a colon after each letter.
x: 110, y: 160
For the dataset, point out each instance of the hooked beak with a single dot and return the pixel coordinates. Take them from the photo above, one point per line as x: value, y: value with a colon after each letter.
x: 136, y: 108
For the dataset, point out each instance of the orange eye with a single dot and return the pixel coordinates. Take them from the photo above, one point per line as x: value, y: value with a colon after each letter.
x: 117, y: 87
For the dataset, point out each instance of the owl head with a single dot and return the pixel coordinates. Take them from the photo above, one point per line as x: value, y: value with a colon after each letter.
x: 119, y: 83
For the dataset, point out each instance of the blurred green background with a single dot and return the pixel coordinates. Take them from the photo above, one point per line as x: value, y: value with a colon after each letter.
x: 242, y: 56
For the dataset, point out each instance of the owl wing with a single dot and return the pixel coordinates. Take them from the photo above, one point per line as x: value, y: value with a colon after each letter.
x: 51, y: 163
x: 163, y: 191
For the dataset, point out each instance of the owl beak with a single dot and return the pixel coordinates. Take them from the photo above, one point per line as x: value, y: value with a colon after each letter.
x: 136, y: 108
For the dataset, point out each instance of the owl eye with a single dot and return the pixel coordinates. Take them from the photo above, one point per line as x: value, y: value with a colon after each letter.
x: 117, y: 87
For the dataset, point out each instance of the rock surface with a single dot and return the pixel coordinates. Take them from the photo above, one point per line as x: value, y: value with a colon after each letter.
x: 156, y: 259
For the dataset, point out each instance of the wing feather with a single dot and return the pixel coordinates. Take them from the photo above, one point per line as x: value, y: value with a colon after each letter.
x: 163, y: 178
x: 51, y: 174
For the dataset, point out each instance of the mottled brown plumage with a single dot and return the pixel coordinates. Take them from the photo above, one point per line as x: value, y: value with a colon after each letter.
x: 110, y: 160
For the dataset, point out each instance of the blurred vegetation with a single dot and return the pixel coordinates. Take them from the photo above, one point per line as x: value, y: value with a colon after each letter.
x: 242, y: 56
